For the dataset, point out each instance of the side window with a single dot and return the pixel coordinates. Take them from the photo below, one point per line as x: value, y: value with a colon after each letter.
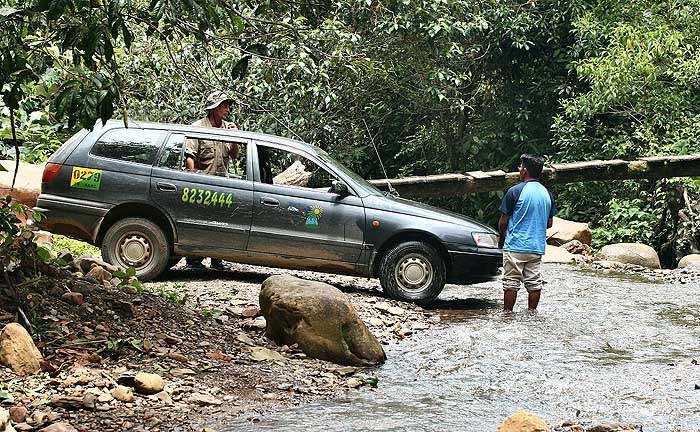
x: 215, y: 157
x: 129, y: 144
x: 283, y: 167
x: 173, y: 156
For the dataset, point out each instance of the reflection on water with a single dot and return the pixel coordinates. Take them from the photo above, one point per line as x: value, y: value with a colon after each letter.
x: 602, y: 349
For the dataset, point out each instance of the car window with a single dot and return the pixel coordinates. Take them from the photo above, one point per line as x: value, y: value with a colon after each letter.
x: 130, y: 145
x: 173, y: 156
x: 208, y: 156
x: 283, y: 167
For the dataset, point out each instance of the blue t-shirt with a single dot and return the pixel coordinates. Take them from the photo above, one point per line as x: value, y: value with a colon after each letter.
x: 529, y: 205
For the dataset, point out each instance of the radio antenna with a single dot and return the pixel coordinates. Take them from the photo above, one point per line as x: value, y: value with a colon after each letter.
x: 392, y: 191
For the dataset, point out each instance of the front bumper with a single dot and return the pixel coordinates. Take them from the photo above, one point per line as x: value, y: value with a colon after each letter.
x: 470, y: 267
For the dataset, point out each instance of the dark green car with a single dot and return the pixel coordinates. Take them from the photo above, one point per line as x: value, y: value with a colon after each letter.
x: 284, y: 204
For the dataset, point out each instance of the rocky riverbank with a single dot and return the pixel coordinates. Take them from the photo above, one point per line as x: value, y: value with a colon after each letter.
x: 200, y: 332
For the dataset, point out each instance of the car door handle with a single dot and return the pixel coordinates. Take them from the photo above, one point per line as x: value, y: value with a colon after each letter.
x: 269, y: 202
x: 166, y: 187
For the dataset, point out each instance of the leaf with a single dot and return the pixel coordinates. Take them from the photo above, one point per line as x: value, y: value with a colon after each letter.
x: 43, y: 254
x: 241, y: 68
x: 128, y: 37
x: 55, y: 9
x: 8, y: 12
x: 130, y: 272
x: 119, y: 274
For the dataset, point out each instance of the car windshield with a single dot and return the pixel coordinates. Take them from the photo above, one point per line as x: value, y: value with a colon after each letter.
x: 347, y: 171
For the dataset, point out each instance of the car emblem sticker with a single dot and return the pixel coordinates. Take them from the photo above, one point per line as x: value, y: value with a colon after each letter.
x: 313, y: 216
x: 86, y: 178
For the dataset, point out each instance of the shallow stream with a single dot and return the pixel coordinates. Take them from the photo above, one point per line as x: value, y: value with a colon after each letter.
x: 601, y: 349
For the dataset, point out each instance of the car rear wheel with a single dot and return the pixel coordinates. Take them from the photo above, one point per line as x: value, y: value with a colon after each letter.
x: 138, y: 243
x: 412, y: 271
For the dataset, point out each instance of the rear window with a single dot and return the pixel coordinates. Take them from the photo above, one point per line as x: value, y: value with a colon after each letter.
x: 130, y: 145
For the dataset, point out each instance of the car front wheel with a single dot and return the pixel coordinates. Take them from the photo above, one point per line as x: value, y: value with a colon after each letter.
x: 138, y: 243
x: 412, y: 271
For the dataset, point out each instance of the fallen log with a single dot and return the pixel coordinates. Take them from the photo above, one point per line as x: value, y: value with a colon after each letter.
x: 446, y: 185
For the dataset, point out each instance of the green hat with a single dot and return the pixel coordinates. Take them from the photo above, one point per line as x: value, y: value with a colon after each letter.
x: 215, y: 99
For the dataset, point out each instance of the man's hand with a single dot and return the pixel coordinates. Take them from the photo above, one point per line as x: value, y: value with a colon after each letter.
x: 230, y: 125
x: 189, y: 163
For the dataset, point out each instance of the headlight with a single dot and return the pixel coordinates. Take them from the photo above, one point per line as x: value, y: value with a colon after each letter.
x: 486, y: 240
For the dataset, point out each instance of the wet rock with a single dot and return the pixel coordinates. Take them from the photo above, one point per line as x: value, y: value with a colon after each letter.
x: 59, y: 427
x: 250, y: 312
x: 576, y: 247
x: 99, y: 274
x: 265, y: 354
x: 203, y: 399
x: 615, y: 427
x: 524, y: 422
x: 563, y: 231
x: 123, y: 308
x: 122, y: 393
x: 690, y: 261
x: 84, y: 264
x: 74, y: 298
x: 320, y: 319
x: 148, y: 384
x: 5, y: 421
x: 630, y: 253
x: 557, y: 255
x: 17, y: 350
x: 18, y: 414
x: 67, y: 402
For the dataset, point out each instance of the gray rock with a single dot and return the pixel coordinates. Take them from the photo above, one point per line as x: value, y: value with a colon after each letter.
x: 320, y: 319
x: 630, y: 253
x: 689, y: 261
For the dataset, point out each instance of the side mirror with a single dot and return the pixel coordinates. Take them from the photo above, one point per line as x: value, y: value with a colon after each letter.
x: 339, y: 188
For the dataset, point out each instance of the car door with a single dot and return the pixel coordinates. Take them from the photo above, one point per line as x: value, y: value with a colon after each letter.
x: 302, y: 220
x: 209, y: 212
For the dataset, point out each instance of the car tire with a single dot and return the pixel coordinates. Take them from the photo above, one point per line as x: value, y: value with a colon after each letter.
x: 412, y: 271
x: 138, y: 243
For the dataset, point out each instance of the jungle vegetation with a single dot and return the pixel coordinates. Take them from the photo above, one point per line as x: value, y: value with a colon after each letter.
x: 442, y: 86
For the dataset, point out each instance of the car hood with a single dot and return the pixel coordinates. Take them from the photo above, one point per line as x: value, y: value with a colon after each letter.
x: 413, y: 208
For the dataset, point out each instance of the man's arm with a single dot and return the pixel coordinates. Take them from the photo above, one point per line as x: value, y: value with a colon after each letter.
x: 189, y: 163
x: 502, y: 227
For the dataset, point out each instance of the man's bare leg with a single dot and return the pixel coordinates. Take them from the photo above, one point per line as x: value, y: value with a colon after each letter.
x: 533, y: 299
x: 509, y: 297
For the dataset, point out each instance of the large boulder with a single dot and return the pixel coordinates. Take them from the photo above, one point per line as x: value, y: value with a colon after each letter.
x: 691, y: 261
x: 630, y: 253
x: 319, y: 318
x: 17, y: 350
x: 557, y: 255
x: 563, y: 231
x: 524, y: 422
x: 27, y: 184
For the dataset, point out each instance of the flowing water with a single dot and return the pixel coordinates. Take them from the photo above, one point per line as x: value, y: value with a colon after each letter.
x: 601, y: 349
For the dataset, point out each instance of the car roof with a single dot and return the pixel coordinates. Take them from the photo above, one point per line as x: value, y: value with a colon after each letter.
x: 234, y: 133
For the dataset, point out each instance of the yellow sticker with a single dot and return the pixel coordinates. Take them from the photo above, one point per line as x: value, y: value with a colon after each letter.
x: 86, y: 178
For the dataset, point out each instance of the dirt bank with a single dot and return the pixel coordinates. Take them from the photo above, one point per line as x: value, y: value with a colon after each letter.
x: 201, y: 331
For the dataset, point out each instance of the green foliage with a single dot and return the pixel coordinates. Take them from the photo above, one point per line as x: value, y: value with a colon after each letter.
x: 76, y: 247
x: 211, y: 313
x: 173, y: 295
x: 627, y: 221
x: 116, y: 347
x: 128, y: 278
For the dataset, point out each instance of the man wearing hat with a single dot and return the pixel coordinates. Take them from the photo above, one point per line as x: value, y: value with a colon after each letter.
x: 211, y: 157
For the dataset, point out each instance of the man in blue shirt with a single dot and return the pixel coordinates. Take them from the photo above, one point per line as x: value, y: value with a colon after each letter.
x: 528, y: 209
